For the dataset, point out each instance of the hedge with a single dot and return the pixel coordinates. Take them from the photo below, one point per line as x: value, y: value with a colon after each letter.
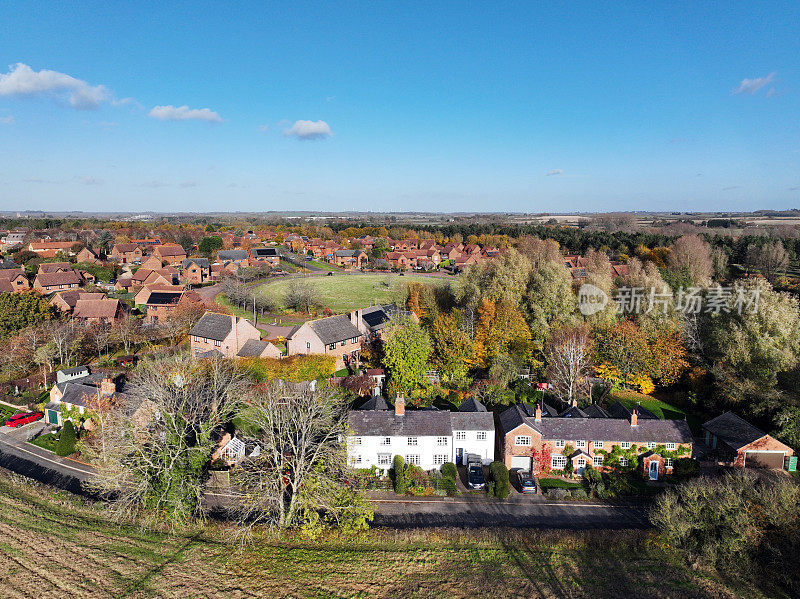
x: 450, y: 471
x: 400, y: 485
x: 66, y: 440
x: 499, y: 474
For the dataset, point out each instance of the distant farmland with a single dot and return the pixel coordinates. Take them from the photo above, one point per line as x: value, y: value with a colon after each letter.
x: 347, y: 292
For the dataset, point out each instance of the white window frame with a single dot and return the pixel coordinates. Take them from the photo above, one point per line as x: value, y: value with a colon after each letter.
x: 558, y: 462
x: 598, y: 444
x: 384, y: 459
x: 412, y: 441
x: 439, y: 459
x: 441, y: 441
x: 523, y: 441
x: 670, y: 446
x: 480, y: 435
x: 597, y: 461
x: 460, y: 435
x: 580, y: 444
x: 385, y: 441
x: 623, y: 462
x: 651, y: 445
x: 560, y: 443
x: 668, y: 463
x: 580, y: 463
x: 625, y: 444
x: 412, y: 459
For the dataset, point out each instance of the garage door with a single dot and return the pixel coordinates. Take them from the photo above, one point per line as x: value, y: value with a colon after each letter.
x: 763, y: 459
x: 520, y: 462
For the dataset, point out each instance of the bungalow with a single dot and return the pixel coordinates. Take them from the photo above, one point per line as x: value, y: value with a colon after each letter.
x: 425, y: 438
x: 196, y: 270
x: 268, y: 255
x: 737, y: 443
x: 222, y: 333
x: 98, y: 311
x: 53, y: 281
x: 336, y: 336
x: 350, y: 258
x: 535, y: 442
x: 49, y: 249
x: 126, y: 253
x: 172, y: 254
x: 13, y: 279
x: 239, y: 258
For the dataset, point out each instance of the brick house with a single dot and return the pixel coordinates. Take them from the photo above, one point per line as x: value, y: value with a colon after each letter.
x: 152, y: 262
x: 54, y: 267
x: 350, y: 258
x: 196, y: 270
x: 87, y: 256
x: 237, y: 258
x: 222, y: 333
x: 335, y: 336
x: 98, y: 311
x: 65, y: 301
x: 736, y: 442
x: 401, y: 260
x: 47, y: 282
x: 172, y: 254
x: 533, y: 441
x: 49, y: 249
x: 126, y: 253
x: 266, y: 255
x: 161, y: 303
x: 13, y: 279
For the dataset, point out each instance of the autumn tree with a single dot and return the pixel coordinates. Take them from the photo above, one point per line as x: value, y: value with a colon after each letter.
x: 406, y: 351
x: 770, y: 259
x: 23, y: 309
x: 690, y: 261
x: 569, y: 362
x: 452, y: 347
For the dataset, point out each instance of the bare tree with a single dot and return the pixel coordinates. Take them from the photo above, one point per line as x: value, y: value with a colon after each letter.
x: 692, y: 254
x: 126, y: 331
x: 157, y: 465
x: 301, y: 295
x: 302, y: 462
x: 770, y: 259
x: 569, y: 362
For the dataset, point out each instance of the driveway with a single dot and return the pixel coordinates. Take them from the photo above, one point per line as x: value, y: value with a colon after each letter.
x: 469, y: 512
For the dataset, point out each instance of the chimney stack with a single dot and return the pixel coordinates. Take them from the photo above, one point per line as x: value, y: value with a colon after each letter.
x: 634, y: 418
x: 400, y: 404
x: 574, y: 402
x: 108, y: 386
x: 538, y: 416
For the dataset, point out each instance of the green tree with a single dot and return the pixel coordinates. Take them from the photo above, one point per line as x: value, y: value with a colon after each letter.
x: 499, y: 476
x: 406, y: 353
x: 66, y: 440
x: 209, y: 245
x: 549, y: 301
x: 399, y: 475
x: 20, y: 310
x: 452, y: 347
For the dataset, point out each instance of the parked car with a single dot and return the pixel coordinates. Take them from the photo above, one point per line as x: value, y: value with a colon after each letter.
x: 23, y: 418
x: 475, y: 478
x: 527, y: 483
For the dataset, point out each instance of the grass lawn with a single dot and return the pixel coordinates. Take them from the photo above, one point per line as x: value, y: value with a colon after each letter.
x: 660, y: 408
x: 57, y: 545
x: 324, y: 266
x: 347, y: 292
x: 6, y: 412
x: 557, y: 483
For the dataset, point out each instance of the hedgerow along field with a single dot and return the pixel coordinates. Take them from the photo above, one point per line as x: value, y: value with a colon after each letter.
x: 55, y: 544
x: 341, y: 293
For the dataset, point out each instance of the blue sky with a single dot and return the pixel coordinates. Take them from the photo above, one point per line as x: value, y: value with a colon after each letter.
x: 523, y: 107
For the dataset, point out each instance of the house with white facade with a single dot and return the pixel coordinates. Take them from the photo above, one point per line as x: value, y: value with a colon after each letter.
x: 426, y: 438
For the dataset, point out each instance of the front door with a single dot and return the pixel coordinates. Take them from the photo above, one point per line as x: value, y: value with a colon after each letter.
x: 580, y: 466
x: 654, y: 470
x: 459, y: 455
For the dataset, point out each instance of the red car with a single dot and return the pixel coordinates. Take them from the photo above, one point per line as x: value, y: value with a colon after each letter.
x: 23, y: 418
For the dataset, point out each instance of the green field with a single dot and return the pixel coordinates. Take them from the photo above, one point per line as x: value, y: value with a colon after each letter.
x: 347, y: 292
x: 663, y: 410
x: 57, y: 545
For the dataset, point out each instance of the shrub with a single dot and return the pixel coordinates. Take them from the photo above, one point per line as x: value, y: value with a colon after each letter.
x: 558, y: 493
x: 685, y: 468
x: 450, y: 471
x: 499, y: 474
x: 66, y: 440
x: 578, y: 494
x: 448, y: 485
x: 593, y: 480
x: 400, y: 485
x: 416, y: 477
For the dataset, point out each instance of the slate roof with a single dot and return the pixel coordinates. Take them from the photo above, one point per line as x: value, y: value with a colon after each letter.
x: 595, y: 411
x: 75, y: 369
x: 471, y: 405
x: 732, y: 430
x: 620, y: 411
x: 573, y: 412
x: 599, y: 429
x: 381, y: 423
x: 348, y: 253
x: 75, y: 392
x: 334, y: 329
x: 472, y: 421
x: 377, y: 403
x: 232, y: 255
x: 252, y: 348
x: 212, y: 326
x: 201, y: 262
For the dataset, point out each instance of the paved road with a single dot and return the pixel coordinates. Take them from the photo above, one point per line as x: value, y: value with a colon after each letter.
x: 463, y: 513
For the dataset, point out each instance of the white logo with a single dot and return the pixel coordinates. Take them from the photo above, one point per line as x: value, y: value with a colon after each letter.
x: 591, y: 299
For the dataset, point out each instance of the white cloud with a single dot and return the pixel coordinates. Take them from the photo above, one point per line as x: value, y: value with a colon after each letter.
x: 184, y: 113
x: 309, y: 130
x: 751, y: 86
x: 555, y: 171
x: 7, y: 120
x: 21, y: 80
